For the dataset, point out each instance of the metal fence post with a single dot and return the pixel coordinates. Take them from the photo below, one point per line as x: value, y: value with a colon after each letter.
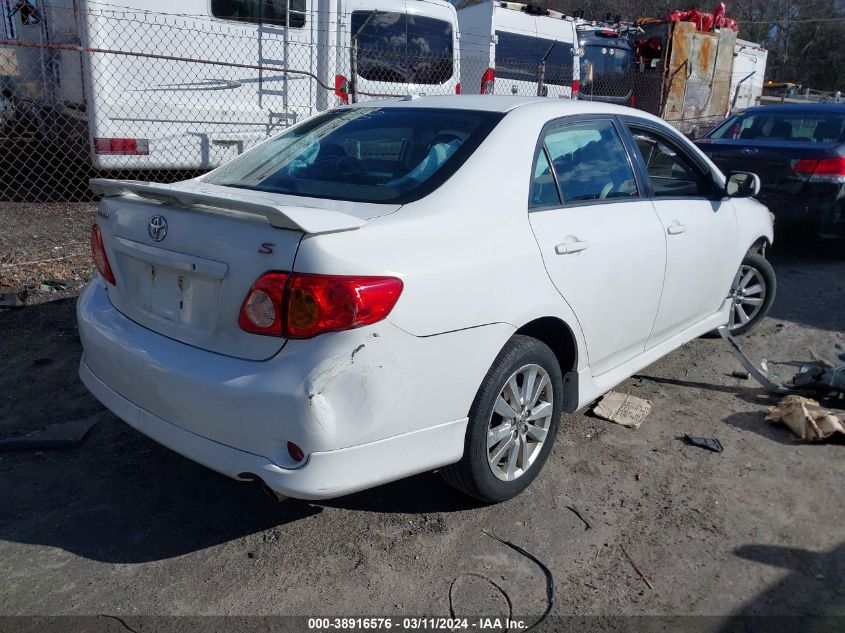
x: 353, y: 71
x: 541, y: 78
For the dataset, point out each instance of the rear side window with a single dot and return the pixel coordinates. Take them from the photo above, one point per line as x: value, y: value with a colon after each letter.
x: 362, y: 154
x: 518, y: 57
x: 590, y: 161
x: 544, y: 190
x: 276, y: 12
x: 784, y: 126
x: 403, y: 48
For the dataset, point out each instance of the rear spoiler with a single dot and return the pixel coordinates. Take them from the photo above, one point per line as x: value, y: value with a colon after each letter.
x: 307, y: 219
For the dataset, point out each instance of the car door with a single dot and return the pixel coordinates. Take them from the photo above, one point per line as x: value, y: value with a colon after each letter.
x: 699, y: 227
x: 600, y: 238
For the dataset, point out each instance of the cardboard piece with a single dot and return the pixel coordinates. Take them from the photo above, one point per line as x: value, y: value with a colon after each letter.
x: 624, y: 409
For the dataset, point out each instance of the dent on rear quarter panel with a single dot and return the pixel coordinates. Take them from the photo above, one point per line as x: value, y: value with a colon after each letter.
x: 379, y: 381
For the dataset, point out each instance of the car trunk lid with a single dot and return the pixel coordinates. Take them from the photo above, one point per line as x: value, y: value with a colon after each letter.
x: 773, y: 161
x: 185, y: 256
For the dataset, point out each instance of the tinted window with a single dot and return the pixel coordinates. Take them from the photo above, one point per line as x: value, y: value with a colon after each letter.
x: 403, y: 48
x: 606, y: 70
x: 789, y: 126
x: 590, y: 161
x: 261, y: 11
x: 362, y: 154
x: 669, y: 172
x: 518, y: 57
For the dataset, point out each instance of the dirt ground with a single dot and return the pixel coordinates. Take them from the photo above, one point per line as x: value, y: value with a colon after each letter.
x: 126, y: 527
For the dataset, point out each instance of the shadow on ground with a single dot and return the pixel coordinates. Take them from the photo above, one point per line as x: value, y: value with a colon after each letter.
x: 811, y: 596
x: 120, y: 497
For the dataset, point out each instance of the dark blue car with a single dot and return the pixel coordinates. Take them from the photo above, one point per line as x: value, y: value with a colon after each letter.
x: 798, y: 150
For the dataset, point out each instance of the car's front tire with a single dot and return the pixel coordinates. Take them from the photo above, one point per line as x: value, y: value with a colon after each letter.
x: 752, y: 293
x: 512, y: 423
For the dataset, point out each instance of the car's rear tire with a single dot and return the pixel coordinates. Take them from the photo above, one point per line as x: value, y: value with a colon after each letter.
x: 752, y: 293
x: 510, y: 435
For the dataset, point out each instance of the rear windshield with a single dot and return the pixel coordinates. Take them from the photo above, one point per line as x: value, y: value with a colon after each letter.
x: 606, y: 70
x: 815, y: 127
x: 403, y: 48
x: 518, y: 57
x: 362, y: 154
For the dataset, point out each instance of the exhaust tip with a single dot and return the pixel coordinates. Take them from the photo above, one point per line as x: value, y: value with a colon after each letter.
x: 267, y: 490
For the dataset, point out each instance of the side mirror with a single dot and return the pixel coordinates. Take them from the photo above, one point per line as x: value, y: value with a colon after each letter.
x: 742, y: 184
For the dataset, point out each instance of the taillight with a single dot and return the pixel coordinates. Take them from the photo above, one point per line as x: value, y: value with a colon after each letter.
x: 632, y: 101
x: 331, y: 303
x: 341, y: 88
x: 822, y: 170
x: 122, y: 146
x: 576, y: 88
x: 458, y: 88
x: 488, y: 81
x: 98, y: 252
x: 301, y: 305
x: 262, y: 310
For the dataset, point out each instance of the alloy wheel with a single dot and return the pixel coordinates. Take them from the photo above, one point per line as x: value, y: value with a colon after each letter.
x: 519, y: 423
x: 747, y: 295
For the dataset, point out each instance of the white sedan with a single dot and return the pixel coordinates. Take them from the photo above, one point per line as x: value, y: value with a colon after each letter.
x: 401, y: 286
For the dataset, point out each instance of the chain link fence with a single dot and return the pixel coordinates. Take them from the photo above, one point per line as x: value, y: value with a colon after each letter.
x: 135, y: 94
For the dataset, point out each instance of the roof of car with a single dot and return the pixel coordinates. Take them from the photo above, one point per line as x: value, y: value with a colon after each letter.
x: 500, y: 103
x: 820, y: 108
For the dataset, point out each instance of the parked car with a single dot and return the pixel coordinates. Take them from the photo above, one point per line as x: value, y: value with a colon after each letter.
x: 799, y: 153
x: 401, y: 286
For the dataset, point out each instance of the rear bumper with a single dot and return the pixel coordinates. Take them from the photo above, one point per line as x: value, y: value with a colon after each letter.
x: 325, y: 474
x: 367, y: 406
x: 820, y: 206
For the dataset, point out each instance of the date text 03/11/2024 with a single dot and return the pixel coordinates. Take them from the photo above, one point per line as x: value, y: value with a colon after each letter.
x: 415, y: 623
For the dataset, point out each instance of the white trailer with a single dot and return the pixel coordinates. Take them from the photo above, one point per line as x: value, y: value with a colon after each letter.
x: 505, y: 46
x: 160, y: 85
x: 749, y: 68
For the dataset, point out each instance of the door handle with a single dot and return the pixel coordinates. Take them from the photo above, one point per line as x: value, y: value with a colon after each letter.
x: 676, y: 229
x: 567, y: 248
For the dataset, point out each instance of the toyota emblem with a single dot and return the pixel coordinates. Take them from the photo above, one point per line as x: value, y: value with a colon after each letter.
x: 749, y: 151
x: 157, y: 228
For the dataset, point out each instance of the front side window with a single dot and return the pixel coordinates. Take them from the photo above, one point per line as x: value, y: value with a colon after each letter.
x: 518, y: 57
x: 274, y: 12
x: 362, y: 154
x: 403, y: 48
x: 590, y: 161
x: 671, y: 174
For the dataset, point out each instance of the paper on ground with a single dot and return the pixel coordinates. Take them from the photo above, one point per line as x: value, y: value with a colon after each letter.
x: 805, y: 418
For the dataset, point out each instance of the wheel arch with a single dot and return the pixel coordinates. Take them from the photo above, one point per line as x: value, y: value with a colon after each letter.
x: 559, y: 336
x: 760, y: 245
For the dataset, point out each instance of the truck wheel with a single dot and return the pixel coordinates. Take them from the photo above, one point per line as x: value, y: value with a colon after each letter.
x: 512, y: 423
